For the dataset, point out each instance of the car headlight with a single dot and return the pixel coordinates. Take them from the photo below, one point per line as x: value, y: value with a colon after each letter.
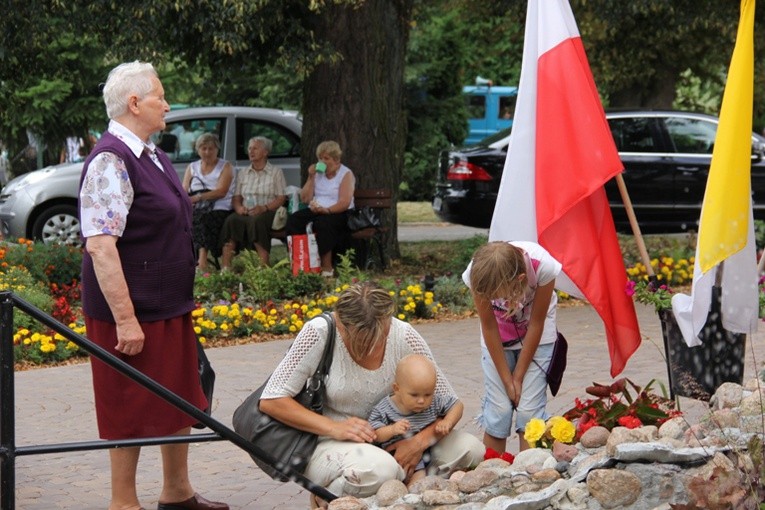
x: 25, y: 180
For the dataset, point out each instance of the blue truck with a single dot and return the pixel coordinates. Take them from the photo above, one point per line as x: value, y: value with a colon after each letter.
x: 490, y: 109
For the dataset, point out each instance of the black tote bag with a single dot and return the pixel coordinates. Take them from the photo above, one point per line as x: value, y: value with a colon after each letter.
x: 287, y: 449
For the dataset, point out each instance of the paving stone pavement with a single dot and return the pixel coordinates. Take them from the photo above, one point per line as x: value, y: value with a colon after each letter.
x: 54, y: 405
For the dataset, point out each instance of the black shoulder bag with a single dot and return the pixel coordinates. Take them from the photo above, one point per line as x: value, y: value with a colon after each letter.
x: 207, y: 378
x: 287, y: 449
x: 361, y: 218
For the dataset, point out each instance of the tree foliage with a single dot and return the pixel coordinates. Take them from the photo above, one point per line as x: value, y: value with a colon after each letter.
x: 639, y: 49
x: 49, y: 76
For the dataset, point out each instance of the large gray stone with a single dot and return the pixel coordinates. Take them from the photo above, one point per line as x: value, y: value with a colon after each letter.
x: 659, y: 452
x: 727, y: 396
x: 390, y: 491
x: 660, y: 483
x: 614, y: 488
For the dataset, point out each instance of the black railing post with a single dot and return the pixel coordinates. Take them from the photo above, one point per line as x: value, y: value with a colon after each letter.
x: 7, y: 406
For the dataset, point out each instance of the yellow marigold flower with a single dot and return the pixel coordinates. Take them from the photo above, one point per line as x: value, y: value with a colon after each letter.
x: 429, y: 295
x: 23, y: 331
x: 237, y: 323
x: 197, y: 330
x: 535, y: 429
x: 202, y: 340
x: 293, y: 329
x: 198, y: 312
x: 247, y: 312
x: 47, y: 348
x: 304, y: 308
x: 299, y: 324
x: 27, y: 341
x: 294, y: 317
x: 58, y: 337
x: 428, y: 301
x: 272, y: 311
x: 71, y: 346
x: 224, y: 327
x: 401, y: 316
x: 563, y: 430
x: 295, y: 306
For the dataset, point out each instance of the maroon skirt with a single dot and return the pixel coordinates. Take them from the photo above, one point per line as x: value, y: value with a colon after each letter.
x: 125, y: 409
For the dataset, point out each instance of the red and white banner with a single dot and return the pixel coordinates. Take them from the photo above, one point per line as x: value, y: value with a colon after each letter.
x: 561, y: 154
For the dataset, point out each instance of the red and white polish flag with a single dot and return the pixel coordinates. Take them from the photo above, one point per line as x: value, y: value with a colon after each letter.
x: 561, y: 154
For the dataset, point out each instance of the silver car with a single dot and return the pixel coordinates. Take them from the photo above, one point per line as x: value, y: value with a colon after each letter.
x: 42, y: 205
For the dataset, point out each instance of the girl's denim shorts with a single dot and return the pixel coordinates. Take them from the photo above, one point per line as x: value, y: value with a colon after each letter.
x: 497, y: 411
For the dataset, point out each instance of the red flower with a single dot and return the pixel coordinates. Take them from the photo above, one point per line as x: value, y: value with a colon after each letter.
x: 631, y: 422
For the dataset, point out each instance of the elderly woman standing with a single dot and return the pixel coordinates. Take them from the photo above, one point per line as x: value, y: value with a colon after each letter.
x: 370, y: 343
x: 329, y: 194
x: 260, y: 191
x: 137, y: 286
x: 209, y: 182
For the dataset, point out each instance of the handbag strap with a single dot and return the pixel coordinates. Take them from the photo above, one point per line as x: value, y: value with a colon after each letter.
x: 326, y: 358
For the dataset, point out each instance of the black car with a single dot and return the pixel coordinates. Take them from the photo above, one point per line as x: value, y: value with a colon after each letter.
x: 666, y: 157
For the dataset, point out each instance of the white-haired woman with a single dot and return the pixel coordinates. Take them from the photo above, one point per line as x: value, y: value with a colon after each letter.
x: 137, y: 286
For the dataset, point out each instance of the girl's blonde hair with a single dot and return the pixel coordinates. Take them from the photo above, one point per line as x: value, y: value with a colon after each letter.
x: 365, y: 309
x: 496, y: 271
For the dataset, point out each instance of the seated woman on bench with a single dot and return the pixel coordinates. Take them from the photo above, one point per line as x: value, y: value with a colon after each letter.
x: 259, y: 192
x: 329, y: 194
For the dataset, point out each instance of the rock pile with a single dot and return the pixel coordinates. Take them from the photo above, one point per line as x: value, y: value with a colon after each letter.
x: 705, y: 465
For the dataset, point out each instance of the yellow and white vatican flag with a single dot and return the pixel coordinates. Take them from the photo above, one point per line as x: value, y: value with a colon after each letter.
x: 725, y: 252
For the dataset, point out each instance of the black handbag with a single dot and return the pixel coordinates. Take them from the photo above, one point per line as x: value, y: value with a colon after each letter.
x: 207, y: 378
x: 203, y: 205
x: 286, y: 449
x: 557, y: 365
x: 361, y: 218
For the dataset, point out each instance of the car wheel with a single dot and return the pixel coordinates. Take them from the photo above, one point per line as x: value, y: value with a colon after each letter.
x: 59, y: 224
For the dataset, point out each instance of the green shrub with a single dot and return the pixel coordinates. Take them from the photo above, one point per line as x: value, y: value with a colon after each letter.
x: 452, y: 293
x: 263, y: 284
x: 24, y: 285
x: 48, y: 263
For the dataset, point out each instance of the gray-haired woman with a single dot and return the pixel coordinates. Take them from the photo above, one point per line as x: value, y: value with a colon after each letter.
x: 209, y: 181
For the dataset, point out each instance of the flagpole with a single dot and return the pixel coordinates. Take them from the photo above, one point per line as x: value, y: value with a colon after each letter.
x: 635, y: 227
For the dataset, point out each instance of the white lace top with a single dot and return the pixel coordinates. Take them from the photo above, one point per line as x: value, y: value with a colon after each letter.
x: 352, y: 390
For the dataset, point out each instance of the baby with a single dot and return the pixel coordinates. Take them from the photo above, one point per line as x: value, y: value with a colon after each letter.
x: 413, y: 406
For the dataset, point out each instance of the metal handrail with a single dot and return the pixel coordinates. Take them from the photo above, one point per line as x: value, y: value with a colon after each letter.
x: 9, y: 451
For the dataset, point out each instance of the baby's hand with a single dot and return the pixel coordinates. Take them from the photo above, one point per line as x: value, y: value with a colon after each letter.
x: 401, y: 427
x: 443, y: 428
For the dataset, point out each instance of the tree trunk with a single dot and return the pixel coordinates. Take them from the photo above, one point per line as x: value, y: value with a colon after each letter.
x: 658, y: 93
x: 358, y: 102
